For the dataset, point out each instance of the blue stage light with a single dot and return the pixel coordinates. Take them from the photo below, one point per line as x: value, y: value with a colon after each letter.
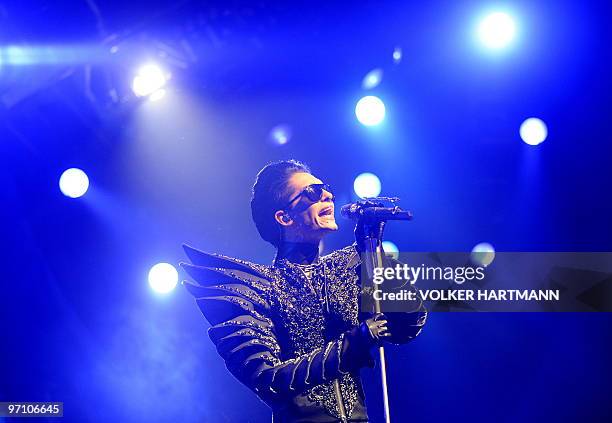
x: 367, y: 185
x: 390, y: 249
x: 370, y: 110
x: 483, y: 254
x: 163, y: 278
x: 533, y: 131
x: 280, y: 134
x: 496, y: 30
x: 150, y: 79
x: 74, y: 183
x: 372, y: 79
x: 397, y: 55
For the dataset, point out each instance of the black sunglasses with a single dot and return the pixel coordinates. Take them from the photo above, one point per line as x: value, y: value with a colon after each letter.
x: 313, y: 192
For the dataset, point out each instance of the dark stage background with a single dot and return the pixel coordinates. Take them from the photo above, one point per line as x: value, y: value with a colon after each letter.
x: 78, y: 321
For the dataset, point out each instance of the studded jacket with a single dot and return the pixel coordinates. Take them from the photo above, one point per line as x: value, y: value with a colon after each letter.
x: 283, y: 330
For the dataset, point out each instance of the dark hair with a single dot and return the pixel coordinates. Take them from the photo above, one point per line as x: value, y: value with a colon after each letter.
x: 270, y: 194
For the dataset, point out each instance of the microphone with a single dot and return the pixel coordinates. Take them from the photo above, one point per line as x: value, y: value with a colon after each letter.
x: 367, y: 210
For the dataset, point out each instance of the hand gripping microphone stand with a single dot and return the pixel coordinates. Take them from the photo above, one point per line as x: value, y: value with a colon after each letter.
x: 372, y: 216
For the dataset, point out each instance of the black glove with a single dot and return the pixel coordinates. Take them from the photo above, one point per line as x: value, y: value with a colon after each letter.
x: 363, y: 229
x: 359, y: 341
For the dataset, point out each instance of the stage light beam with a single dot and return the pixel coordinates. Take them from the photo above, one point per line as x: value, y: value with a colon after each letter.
x: 367, y: 185
x: 533, y: 131
x: 74, y: 183
x: 149, y: 80
x: 496, y: 30
x: 163, y: 278
x: 157, y: 95
x: 370, y: 110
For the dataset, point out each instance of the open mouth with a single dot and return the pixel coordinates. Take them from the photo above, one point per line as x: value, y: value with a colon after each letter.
x: 327, y: 211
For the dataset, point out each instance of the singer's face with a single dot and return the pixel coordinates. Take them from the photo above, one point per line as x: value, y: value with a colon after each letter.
x: 310, y: 220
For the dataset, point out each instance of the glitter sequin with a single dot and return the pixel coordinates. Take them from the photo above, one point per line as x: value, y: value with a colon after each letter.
x: 306, y: 305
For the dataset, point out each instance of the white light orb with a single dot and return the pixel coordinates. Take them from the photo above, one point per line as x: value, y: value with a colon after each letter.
x: 74, y: 183
x: 372, y: 79
x: 367, y: 185
x: 280, y: 134
x: 483, y: 254
x: 496, y: 30
x: 397, y: 55
x: 163, y: 278
x: 533, y: 131
x: 370, y: 110
x: 390, y: 249
x: 149, y: 79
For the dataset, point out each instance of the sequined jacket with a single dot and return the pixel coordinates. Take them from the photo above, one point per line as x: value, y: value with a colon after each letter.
x: 282, y: 330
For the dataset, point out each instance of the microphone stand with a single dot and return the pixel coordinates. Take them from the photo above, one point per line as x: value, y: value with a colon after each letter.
x: 373, y: 229
x: 374, y: 258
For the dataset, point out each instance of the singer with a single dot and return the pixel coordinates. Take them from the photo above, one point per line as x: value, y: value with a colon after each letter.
x: 292, y: 331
